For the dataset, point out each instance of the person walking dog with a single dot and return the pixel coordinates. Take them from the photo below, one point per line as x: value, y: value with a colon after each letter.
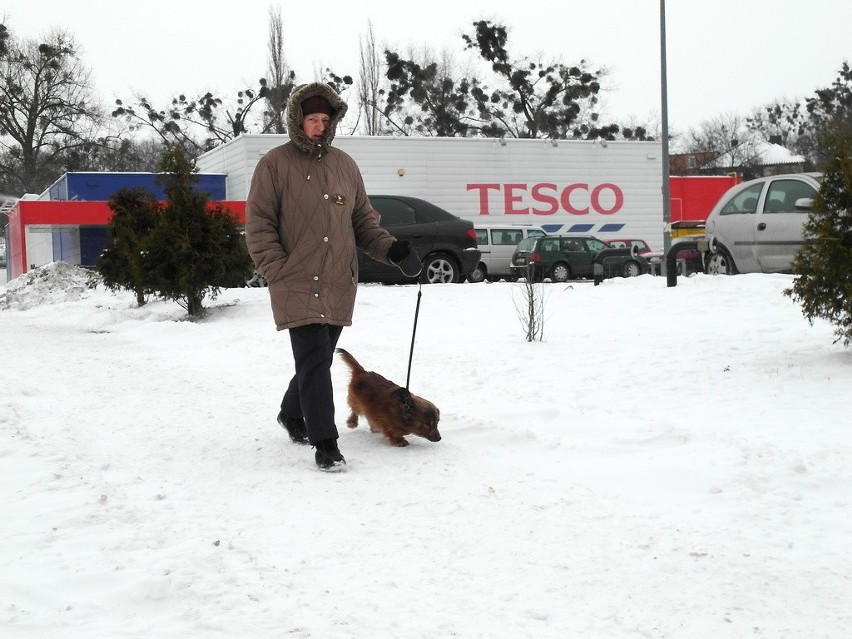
x: 306, y: 212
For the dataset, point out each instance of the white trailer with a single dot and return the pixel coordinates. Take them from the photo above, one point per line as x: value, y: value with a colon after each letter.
x: 609, y: 189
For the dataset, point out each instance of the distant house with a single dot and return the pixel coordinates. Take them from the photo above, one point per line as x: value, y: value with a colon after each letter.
x: 757, y: 160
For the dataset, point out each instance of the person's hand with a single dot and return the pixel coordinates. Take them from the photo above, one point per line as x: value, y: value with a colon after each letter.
x: 398, y: 251
x: 405, y: 257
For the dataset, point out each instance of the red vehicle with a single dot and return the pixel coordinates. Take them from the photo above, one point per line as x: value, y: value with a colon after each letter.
x: 692, y: 197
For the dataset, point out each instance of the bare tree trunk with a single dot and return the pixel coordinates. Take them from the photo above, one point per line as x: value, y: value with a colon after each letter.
x: 278, y: 71
x: 529, y: 304
x: 369, y: 70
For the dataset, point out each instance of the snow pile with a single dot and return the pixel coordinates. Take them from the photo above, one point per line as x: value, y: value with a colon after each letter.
x: 50, y: 284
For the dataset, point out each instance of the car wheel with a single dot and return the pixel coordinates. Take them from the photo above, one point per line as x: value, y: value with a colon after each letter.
x: 439, y: 269
x: 719, y: 263
x: 631, y: 268
x: 478, y: 274
x: 560, y: 272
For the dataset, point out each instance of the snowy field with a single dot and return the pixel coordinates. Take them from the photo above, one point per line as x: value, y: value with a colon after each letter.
x: 668, y: 463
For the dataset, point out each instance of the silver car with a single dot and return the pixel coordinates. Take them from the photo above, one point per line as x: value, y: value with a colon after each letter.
x: 756, y: 226
x: 496, y: 244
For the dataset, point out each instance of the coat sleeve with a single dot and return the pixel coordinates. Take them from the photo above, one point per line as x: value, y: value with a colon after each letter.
x: 263, y: 206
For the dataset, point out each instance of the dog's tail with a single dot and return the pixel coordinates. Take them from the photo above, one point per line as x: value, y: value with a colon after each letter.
x: 350, y: 361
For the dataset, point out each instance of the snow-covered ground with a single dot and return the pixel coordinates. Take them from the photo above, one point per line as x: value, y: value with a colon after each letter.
x: 669, y: 462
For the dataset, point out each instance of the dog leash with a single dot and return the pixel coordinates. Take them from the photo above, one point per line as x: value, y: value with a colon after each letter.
x: 407, y: 394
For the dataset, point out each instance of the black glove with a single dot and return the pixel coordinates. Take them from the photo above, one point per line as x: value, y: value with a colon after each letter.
x: 405, y: 257
x: 398, y: 251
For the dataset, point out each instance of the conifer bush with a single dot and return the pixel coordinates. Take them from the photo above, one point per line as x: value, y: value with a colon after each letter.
x: 823, y: 266
x: 182, y: 249
x: 134, y: 214
x: 195, y: 249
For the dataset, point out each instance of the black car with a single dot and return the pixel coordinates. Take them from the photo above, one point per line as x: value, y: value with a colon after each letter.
x: 445, y: 243
x: 565, y: 257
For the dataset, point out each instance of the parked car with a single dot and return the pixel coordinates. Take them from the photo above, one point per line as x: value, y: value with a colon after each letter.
x: 641, y: 245
x: 445, y: 243
x: 565, y: 257
x: 497, y: 243
x: 689, y: 260
x: 756, y: 226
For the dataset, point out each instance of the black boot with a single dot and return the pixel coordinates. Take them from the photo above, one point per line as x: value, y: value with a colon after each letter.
x: 328, y: 456
x: 295, y: 427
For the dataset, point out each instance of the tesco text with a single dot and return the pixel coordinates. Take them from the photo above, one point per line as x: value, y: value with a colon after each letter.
x: 546, y: 198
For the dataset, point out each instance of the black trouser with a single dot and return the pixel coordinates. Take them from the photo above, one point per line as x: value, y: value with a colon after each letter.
x: 310, y: 394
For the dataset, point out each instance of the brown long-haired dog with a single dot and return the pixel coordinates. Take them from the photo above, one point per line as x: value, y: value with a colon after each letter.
x: 389, y: 409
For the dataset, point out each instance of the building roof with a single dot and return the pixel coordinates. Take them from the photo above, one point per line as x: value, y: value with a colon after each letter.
x: 765, y: 154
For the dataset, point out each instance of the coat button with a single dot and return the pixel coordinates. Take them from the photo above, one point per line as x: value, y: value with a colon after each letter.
x: 325, y: 197
x: 316, y: 277
x: 325, y: 239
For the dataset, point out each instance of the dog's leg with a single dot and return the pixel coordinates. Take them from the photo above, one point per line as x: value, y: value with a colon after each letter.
x: 352, y: 420
x: 396, y: 440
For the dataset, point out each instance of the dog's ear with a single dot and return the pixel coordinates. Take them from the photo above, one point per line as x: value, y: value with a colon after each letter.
x: 404, y: 397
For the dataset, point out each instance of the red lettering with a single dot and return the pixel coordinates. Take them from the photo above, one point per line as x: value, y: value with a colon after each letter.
x: 605, y: 199
x: 509, y: 199
x: 539, y: 196
x: 618, y: 198
x: 566, y: 199
x: 483, y: 195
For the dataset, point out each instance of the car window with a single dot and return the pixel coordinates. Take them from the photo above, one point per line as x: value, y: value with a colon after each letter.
x: 482, y: 237
x: 571, y: 244
x: 782, y: 195
x: 526, y: 245
x: 535, y: 233
x: 394, y: 212
x: 510, y: 238
x: 618, y: 244
x: 550, y: 244
x: 505, y: 237
x: 595, y: 246
x: 744, y: 202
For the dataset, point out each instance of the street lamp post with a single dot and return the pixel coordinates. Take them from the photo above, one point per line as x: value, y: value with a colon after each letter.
x: 671, y: 278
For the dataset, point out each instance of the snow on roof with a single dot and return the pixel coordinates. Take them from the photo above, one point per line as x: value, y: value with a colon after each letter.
x: 764, y: 154
x: 771, y: 153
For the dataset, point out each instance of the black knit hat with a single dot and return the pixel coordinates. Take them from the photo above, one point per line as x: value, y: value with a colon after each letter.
x: 316, y: 104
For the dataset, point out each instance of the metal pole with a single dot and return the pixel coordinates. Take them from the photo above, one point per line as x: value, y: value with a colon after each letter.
x: 671, y: 278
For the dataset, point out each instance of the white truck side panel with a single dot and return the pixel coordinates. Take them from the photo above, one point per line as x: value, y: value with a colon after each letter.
x: 610, y: 189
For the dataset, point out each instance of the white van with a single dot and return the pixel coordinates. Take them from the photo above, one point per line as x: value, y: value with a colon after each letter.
x: 497, y: 242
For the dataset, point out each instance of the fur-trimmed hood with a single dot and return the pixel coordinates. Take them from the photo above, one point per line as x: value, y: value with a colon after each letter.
x: 295, y: 116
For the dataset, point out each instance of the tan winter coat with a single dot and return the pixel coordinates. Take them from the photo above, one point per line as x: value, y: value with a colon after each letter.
x: 306, y: 212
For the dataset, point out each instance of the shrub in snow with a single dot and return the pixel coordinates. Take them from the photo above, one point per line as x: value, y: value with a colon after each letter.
x: 823, y: 265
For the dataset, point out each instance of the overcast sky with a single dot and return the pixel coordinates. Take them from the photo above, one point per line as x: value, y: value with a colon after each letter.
x: 723, y: 55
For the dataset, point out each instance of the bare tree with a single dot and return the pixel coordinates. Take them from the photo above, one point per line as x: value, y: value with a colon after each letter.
x: 528, y: 297
x: 427, y: 95
x: 281, y: 80
x: 47, y: 108
x: 369, y: 91
x: 778, y: 122
x: 729, y: 138
x: 535, y: 99
x: 186, y: 119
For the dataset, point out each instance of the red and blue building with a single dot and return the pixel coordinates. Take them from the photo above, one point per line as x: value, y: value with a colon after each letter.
x: 69, y: 222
